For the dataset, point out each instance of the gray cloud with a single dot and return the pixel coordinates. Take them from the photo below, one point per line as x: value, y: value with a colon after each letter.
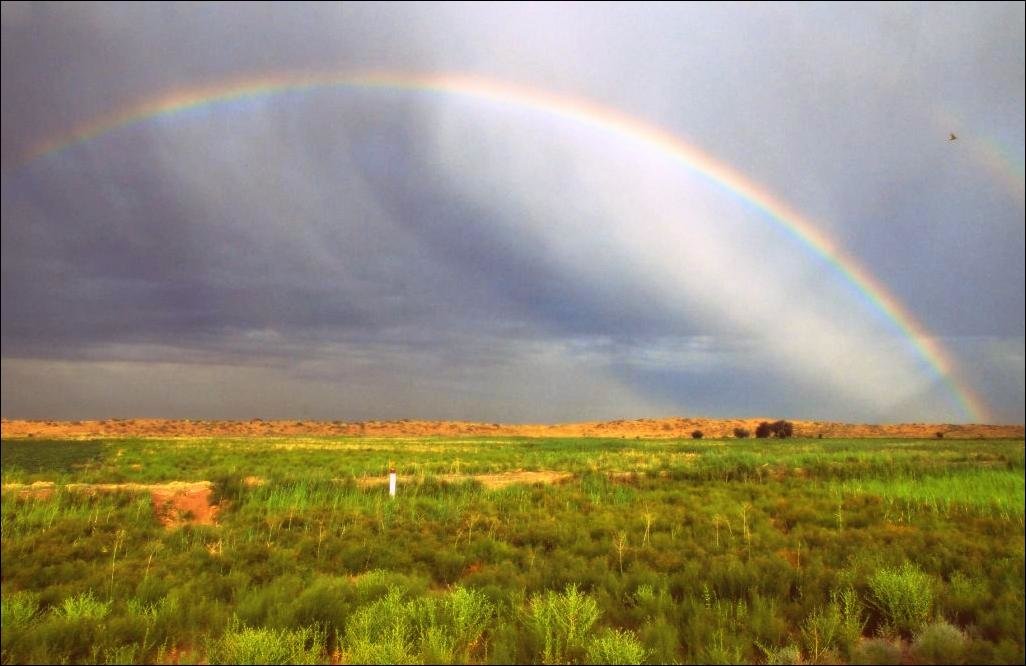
x: 459, y: 259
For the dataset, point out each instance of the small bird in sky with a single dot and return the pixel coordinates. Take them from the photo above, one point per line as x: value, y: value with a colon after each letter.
x: 952, y: 137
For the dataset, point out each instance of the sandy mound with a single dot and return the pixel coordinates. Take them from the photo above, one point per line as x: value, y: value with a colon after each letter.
x: 668, y: 428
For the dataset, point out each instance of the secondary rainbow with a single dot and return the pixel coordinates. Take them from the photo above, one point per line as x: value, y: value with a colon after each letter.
x: 577, y: 110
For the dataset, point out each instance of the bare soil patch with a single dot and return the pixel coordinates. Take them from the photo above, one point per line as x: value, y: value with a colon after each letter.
x: 489, y: 481
x: 503, y: 479
x: 37, y: 489
x: 174, y: 504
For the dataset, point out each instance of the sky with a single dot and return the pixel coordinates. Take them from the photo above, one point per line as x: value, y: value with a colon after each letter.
x: 513, y: 212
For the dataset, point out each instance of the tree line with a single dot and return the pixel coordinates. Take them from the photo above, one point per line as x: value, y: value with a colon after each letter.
x: 780, y: 429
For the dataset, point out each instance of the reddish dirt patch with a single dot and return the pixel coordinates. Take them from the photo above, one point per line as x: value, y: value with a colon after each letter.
x: 174, y: 504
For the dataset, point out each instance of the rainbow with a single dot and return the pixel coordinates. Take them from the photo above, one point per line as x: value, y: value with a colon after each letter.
x: 1004, y: 167
x: 603, y: 119
x: 998, y: 157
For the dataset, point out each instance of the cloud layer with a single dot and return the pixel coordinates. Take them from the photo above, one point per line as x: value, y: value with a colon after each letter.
x: 355, y: 253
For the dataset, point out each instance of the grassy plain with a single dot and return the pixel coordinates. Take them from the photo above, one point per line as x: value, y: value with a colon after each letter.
x: 657, y: 551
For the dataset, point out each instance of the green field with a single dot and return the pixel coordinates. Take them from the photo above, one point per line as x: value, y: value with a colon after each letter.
x: 653, y: 551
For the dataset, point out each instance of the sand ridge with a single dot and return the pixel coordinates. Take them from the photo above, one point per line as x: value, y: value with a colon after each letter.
x: 665, y: 428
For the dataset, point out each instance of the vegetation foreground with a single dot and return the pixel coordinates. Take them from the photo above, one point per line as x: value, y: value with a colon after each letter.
x: 634, y: 551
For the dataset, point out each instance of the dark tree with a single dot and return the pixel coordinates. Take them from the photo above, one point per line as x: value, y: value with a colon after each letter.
x: 696, y: 434
x: 782, y: 429
x: 741, y: 433
x: 939, y: 435
x: 762, y: 431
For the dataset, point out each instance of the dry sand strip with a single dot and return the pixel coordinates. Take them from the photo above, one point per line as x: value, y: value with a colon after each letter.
x: 489, y: 481
x: 174, y: 504
x: 667, y: 428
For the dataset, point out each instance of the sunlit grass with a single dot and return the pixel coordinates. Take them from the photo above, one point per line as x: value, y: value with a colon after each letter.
x: 686, y: 550
x: 1000, y: 492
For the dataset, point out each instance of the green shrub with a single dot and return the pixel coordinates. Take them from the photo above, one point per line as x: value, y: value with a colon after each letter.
x: 661, y: 639
x: 561, y: 622
x: 229, y: 486
x: 821, y: 632
x: 787, y: 654
x: 904, y: 597
x: 244, y: 645
x: 18, y: 610
x: 322, y: 603
x: 876, y: 651
x: 469, y: 613
x: 963, y: 598
x: 18, y: 613
x: 836, y: 628
x: 83, y: 607
x: 381, y: 633
x: 939, y: 643
x: 614, y: 646
x: 853, y: 620
x: 124, y: 654
x: 434, y: 630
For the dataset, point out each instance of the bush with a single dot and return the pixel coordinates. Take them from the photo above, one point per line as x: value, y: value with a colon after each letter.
x: 84, y: 607
x: 821, y: 632
x: 616, y: 647
x: 876, y: 651
x: 741, y: 433
x: 780, y: 429
x: 426, y: 629
x: 561, y: 622
x: 787, y: 654
x: 468, y: 613
x: 243, y: 645
x: 696, y: 434
x: 381, y: 633
x: 853, y: 620
x: 18, y: 609
x: 903, y: 596
x: 939, y: 643
x: 964, y: 598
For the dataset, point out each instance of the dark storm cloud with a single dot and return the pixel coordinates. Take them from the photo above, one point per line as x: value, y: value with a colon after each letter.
x: 123, y: 251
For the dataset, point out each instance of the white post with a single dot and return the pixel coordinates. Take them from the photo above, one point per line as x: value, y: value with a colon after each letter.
x: 391, y: 482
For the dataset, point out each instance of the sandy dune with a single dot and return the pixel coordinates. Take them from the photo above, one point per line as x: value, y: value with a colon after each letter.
x: 644, y: 428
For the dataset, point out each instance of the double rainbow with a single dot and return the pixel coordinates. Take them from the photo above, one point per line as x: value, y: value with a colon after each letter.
x: 600, y: 118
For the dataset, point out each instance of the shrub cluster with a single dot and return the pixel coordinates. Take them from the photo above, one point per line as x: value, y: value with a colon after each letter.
x: 781, y: 429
